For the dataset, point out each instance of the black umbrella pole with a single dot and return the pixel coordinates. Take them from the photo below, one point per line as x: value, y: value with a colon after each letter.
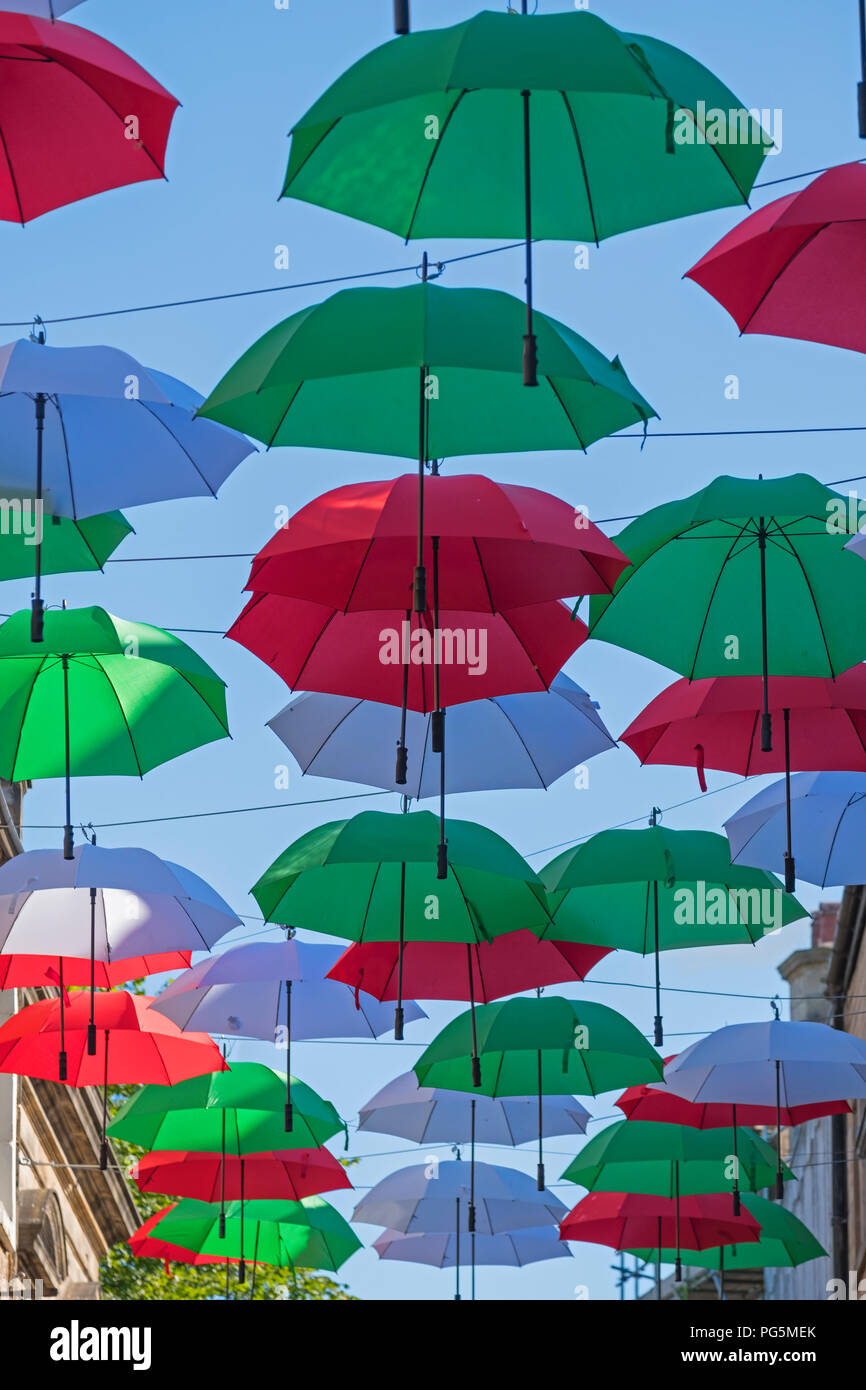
x: 736, y: 1192
x: 457, y: 1255
x: 222, y: 1220
x: 861, y: 86
x: 37, y: 609
x: 419, y: 583
x: 289, y: 1117
x: 658, y: 1031
x: 470, y: 1224
x: 659, y: 1264
x: 401, y: 16
x: 402, y: 751
x: 766, y: 718
x: 91, y: 1026
x: 242, y: 1268
x: 678, y: 1267
x: 790, y: 867
x: 68, y: 846
x: 780, y: 1181
x: 398, y: 1012
x: 540, y: 1174
x: 61, y: 1060
x: 476, y: 1060
x: 103, y: 1144
x: 530, y: 343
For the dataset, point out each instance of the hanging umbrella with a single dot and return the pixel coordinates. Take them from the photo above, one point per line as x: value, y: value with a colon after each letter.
x: 308, y: 1234
x: 87, y: 429
x: 772, y: 1063
x: 795, y: 268
x: 482, y: 971
x: 418, y: 1199
x: 624, y: 1219
x: 100, y: 696
x: 67, y: 547
x: 41, y: 9
x: 49, y: 69
x: 674, y: 1161
x: 649, y: 1103
x: 503, y: 742
x: 247, y: 991
x: 715, y: 723
x: 381, y: 877
x: 144, y: 1244
x: 133, y: 1045
x: 508, y: 1249
x: 291, y: 1174
x: 427, y: 1115
x: 659, y: 890
x: 438, y: 134
x: 784, y: 1242
x: 741, y: 578
x: 119, y: 913
x: 820, y: 810
x: 537, y: 1047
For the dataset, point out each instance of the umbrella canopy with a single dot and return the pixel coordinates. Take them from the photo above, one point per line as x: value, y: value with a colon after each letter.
x: 663, y: 1159
x: 512, y: 1249
x: 41, y: 9
x: 795, y: 267
x: 369, y: 655
x: 434, y: 1199
x: 745, y: 1062
x: 826, y: 821
x: 783, y: 1242
x: 241, y: 1107
x: 67, y: 546
x: 508, y: 741
x: 308, y: 1234
x: 427, y: 1115
x: 374, y: 362
x: 651, y: 1103
x: 49, y: 68
x: 481, y: 971
x: 659, y: 890
x: 624, y: 1219
x: 290, y: 1174
x: 42, y: 972
x: 245, y: 991
x: 376, y: 877
x: 143, y: 1244
x: 757, y: 568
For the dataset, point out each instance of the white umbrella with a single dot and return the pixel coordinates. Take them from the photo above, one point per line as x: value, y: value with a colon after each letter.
x: 104, y: 904
x: 89, y: 429
x: 827, y: 819
x: 41, y: 9
x: 771, y: 1063
x: 433, y: 1198
x: 442, y: 1250
x: 430, y: 1115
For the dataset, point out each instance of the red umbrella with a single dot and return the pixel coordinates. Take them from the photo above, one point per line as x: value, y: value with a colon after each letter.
x: 72, y: 972
x: 452, y: 970
x: 144, y: 1244
x: 716, y: 723
x: 499, y: 547
x: 797, y: 267
x: 134, y: 1044
x: 293, y: 1175
x: 77, y: 116
x: 366, y: 654
x: 628, y: 1220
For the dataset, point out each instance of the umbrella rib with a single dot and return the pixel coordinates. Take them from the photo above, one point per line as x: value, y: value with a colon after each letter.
x: 369, y: 901
x: 8, y: 158
x: 738, y: 536
x: 567, y: 413
x: 126, y: 723
x: 55, y: 400
x: 333, y: 124
x: 282, y: 418
x: 808, y: 584
x: 424, y: 750
x: 780, y: 272
x: 327, y: 738
x: 357, y: 579
x: 521, y: 740
x: 583, y: 167
x: 19, y: 735
x: 755, y: 721
x: 170, y: 432
x: 433, y: 153
x: 483, y: 574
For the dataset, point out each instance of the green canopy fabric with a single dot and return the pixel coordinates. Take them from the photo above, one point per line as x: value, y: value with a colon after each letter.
x: 67, y: 546
x: 784, y: 1242
x: 353, y: 372
x: 425, y: 135
x: 251, y: 1098
x: 309, y: 1234
x: 663, y: 1159
x: 658, y: 890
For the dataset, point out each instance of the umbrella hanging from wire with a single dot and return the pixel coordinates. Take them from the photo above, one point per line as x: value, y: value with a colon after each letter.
x: 474, y: 131
x: 821, y: 811
x: 290, y: 1174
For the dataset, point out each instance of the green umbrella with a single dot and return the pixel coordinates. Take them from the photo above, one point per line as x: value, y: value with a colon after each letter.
x: 421, y: 372
x: 785, y: 1242
x: 100, y: 696
x: 661, y: 890
x: 309, y: 1234
x: 674, y: 1161
x: 746, y: 577
x: 244, y: 1110
x: 549, y: 1046
x: 67, y: 546
x: 375, y: 878
x: 553, y: 126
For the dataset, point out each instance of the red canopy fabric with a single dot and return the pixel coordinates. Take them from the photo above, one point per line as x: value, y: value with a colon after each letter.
x: 145, y: 1244
x: 628, y: 1220
x: 441, y: 969
x: 134, y: 1044
x: 646, y: 1103
x: 500, y: 547
x: 363, y: 654
x: 293, y: 1174
x: 797, y: 267
x: 716, y: 722
x: 77, y: 116
x: 21, y: 971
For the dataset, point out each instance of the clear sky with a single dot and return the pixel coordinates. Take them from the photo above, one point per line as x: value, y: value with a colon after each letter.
x: 244, y: 70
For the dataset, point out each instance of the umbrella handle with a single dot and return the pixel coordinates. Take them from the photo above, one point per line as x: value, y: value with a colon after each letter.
x: 401, y: 16
x: 37, y: 607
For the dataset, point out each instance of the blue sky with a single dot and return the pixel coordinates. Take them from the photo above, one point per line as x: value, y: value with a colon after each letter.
x: 244, y: 71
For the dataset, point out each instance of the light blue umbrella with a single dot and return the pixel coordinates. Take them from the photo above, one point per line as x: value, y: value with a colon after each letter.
x: 508, y: 1249
x: 433, y: 1198
x: 828, y: 826
x: 508, y: 742
x: 430, y: 1115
